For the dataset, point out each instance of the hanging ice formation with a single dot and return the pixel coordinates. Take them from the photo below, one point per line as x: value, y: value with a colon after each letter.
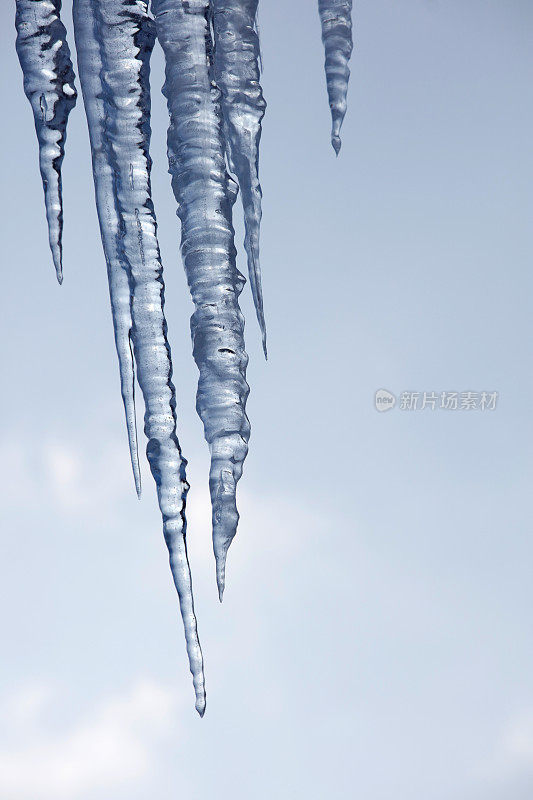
x: 114, y: 41
x: 49, y: 86
x: 236, y: 73
x: 336, y: 21
x: 216, y: 107
x: 205, y: 194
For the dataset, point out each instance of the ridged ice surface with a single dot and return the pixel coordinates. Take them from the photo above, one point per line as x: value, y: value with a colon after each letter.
x: 336, y: 21
x: 90, y: 65
x: 44, y: 56
x: 205, y: 194
x: 115, y: 39
x: 236, y: 71
x: 216, y: 108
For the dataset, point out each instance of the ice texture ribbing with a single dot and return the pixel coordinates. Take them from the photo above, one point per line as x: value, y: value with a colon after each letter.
x: 205, y: 194
x: 236, y: 72
x: 124, y: 35
x: 44, y: 56
x: 336, y: 21
x: 90, y: 66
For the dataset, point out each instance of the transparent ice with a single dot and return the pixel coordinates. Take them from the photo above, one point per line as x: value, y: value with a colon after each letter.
x: 44, y: 56
x: 216, y: 107
x: 336, y: 20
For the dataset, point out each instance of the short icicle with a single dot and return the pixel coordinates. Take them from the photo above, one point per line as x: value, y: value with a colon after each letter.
x: 237, y: 72
x: 205, y: 194
x: 336, y: 21
x: 124, y: 36
x: 44, y: 56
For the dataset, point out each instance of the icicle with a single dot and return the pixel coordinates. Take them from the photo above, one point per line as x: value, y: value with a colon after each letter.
x: 90, y: 66
x: 115, y: 39
x: 236, y: 70
x: 336, y: 19
x: 205, y: 194
x: 44, y: 56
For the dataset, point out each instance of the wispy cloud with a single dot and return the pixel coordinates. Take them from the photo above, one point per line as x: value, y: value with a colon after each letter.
x: 112, y: 746
x: 68, y: 476
x: 517, y: 740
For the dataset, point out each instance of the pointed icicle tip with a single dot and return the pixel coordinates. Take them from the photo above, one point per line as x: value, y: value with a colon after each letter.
x: 221, y: 575
x: 200, y: 705
x: 134, y: 457
x: 225, y: 521
x: 221, y: 554
x: 44, y: 56
x: 336, y: 22
x: 261, y: 316
x: 57, y: 255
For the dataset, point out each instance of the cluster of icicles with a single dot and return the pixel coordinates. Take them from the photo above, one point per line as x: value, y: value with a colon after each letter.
x: 216, y: 106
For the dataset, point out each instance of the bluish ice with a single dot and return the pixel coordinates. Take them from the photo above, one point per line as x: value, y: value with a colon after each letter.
x: 216, y: 107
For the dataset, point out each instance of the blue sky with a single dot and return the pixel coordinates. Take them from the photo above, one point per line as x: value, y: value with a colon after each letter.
x: 375, y: 638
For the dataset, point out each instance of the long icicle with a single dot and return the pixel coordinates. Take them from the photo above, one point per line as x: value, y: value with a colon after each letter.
x: 336, y: 20
x: 44, y: 56
x: 205, y: 194
x: 90, y: 66
x: 236, y: 70
x: 127, y: 36
x: 123, y: 35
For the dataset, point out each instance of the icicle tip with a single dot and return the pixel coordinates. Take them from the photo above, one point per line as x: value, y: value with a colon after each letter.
x: 260, y: 314
x: 221, y: 576
x: 57, y: 256
x: 200, y: 705
x: 336, y: 143
x: 221, y: 554
x: 128, y: 398
x: 136, y: 474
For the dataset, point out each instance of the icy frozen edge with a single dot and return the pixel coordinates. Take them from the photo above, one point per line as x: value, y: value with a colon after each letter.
x: 205, y: 194
x: 216, y: 107
x: 336, y: 21
x: 236, y: 73
x: 44, y: 56
x: 114, y: 41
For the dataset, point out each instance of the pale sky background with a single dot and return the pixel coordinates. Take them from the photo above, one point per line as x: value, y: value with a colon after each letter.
x: 376, y: 635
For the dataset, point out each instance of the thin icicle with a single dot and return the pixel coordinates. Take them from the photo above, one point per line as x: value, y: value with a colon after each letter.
x: 205, y: 195
x: 44, y: 56
x: 236, y: 70
x: 336, y: 20
x: 126, y: 36
x: 90, y: 66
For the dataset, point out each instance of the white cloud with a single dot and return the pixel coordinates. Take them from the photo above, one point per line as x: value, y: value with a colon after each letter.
x: 111, y: 747
x: 517, y: 740
x: 508, y: 767
x: 69, y: 476
x: 23, y: 708
x: 78, y: 483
